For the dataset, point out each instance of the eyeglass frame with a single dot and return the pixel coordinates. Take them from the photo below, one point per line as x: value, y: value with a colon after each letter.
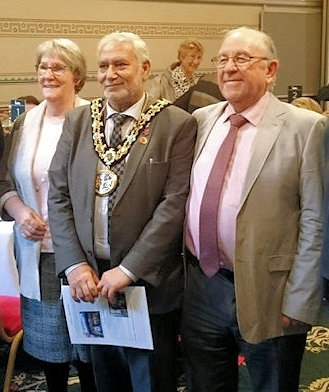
x: 234, y: 58
x: 59, y: 72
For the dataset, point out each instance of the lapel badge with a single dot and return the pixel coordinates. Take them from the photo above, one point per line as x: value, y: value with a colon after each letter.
x: 143, y: 140
x: 146, y: 131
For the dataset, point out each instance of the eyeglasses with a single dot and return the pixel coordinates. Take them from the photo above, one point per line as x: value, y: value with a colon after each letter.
x: 240, y: 60
x: 56, y: 69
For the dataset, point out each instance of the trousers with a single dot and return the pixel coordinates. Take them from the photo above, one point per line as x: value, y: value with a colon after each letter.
x: 212, y: 342
x: 125, y: 369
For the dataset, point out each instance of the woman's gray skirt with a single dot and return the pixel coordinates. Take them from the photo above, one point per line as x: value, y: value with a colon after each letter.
x: 46, y: 335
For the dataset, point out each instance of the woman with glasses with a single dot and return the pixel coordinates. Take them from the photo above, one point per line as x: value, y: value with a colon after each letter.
x: 179, y: 76
x: 61, y: 71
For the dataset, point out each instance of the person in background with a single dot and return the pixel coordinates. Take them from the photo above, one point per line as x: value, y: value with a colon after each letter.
x: 307, y: 103
x: 61, y: 70
x: 118, y: 220
x: 30, y: 101
x: 180, y: 75
x: 323, y: 93
x: 253, y: 227
x: 323, y: 96
x: 204, y: 92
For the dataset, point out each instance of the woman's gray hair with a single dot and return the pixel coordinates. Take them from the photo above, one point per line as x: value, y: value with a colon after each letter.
x: 139, y: 46
x: 70, y: 53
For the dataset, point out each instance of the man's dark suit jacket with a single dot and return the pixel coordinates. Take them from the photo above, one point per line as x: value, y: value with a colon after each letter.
x: 147, y: 219
x: 205, y: 92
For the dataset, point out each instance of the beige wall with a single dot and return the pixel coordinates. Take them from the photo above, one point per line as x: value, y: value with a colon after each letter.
x: 25, y: 23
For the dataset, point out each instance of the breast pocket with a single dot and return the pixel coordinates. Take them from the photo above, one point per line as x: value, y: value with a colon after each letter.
x: 156, y: 174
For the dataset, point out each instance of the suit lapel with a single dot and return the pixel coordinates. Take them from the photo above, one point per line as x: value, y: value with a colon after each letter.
x: 135, y: 156
x: 205, y: 125
x: 268, y: 132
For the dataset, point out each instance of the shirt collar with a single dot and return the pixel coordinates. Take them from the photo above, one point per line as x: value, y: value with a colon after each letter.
x: 133, y: 111
x: 253, y: 114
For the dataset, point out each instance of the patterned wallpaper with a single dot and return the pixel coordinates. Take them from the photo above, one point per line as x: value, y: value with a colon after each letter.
x: 19, y: 36
x: 83, y: 29
x: 95, y: 29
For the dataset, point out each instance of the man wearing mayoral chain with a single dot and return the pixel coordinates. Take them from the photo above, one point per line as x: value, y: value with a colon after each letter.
x: 116, y: 209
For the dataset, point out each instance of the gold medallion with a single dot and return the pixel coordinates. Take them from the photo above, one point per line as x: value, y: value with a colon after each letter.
x: 106, y: 182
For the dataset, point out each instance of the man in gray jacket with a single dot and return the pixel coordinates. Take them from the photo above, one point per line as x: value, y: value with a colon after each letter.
x: 111, y: 230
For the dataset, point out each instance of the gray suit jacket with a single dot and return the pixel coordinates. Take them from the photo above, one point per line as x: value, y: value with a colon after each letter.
x: 147, y: 219
x: 279, y: 223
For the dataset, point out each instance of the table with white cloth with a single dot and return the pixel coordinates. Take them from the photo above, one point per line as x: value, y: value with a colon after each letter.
x: 9, y: 284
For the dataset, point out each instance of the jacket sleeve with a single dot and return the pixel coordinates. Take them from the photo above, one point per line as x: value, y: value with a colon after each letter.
x: 62, y: 196
x: 302, y: 297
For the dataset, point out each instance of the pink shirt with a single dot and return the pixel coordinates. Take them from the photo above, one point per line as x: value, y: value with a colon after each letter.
x: 234, y: 180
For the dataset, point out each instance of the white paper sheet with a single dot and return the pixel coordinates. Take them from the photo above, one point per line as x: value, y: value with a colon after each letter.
x: 127, y: 324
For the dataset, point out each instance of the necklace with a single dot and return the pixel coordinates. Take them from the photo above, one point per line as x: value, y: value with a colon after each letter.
x: 106, y: 180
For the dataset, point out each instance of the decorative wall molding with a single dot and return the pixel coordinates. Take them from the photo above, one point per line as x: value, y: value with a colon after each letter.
x: 17, y: 78
x: 28, y: 78
x: 84, y: 29
x: 33, y: 28
x: 303, y: 3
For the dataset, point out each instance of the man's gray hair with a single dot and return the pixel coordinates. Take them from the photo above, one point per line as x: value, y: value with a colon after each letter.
x: 139, y: 46
x: 259, y: 38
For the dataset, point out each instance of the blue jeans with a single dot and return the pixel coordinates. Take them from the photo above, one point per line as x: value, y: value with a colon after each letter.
x: 118, y: 369
x: 212, y: 342
x: 124, y: 369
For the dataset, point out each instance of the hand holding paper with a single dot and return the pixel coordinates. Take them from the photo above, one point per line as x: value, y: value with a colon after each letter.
x: 83, y: 282
x: 113, y: 281
x: 125, y: 323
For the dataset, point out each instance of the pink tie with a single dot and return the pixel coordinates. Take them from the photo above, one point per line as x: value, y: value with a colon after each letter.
x: 209, y: 250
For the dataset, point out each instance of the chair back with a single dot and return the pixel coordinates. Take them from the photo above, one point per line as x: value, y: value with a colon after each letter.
x: 10, y: 317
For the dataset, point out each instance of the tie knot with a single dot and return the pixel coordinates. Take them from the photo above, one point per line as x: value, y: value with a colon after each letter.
x: 237, y: 120
x: 118, y: 119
